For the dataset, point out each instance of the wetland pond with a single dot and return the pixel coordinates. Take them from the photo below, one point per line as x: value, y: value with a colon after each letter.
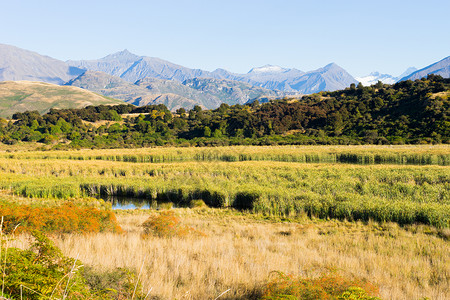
x: 136, y: 203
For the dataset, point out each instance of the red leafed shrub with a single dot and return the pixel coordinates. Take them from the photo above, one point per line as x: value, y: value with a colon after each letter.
x: 167, y: 224
x: 63, y: 218
x: 328, y: 286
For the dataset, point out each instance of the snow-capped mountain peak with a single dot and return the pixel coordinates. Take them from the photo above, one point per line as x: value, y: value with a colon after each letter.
x: 374, y: 77
x: 268, y: 69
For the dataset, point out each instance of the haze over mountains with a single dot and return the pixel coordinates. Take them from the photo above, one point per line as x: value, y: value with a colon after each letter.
x: 145, y: 80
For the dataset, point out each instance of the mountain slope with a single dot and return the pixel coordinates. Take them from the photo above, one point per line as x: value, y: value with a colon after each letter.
x: 441, y: 67
x: 20, y: 64
x: 20, y: 96
x: 108, y: 85
x: 206, y: 92
x: 230, y: 91
x: 168, y: 89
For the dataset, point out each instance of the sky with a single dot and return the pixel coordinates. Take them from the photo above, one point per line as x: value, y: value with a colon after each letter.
x: 360, y: 36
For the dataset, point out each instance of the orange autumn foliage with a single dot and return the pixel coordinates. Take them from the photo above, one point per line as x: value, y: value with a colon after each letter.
x: 64, y: 218
x: 167, y: 224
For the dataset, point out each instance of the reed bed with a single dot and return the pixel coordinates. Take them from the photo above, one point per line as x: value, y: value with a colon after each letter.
x: 409, y: 155
x: 403, y: 194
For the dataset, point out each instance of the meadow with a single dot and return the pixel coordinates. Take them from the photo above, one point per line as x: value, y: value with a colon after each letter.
x: 362, y: 211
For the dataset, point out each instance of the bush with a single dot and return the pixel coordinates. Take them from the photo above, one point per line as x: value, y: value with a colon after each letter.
x: 328, y: 286
x: 118, y: 283
x: 43, y: 272
x: 167, y: 224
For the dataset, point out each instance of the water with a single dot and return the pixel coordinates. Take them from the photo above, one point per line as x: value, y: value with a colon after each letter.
x: 136, y: 203
x: 131, y: 203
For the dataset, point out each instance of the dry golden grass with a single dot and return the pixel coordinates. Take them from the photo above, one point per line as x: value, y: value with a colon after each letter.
x: 239, y: 252
x: 189, y: 153
x: 21, y: 146
x: 20, y: 96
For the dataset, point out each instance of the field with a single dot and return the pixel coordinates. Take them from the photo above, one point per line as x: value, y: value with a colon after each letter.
x: 362, y: 211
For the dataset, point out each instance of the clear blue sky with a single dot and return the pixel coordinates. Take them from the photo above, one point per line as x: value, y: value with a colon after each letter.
x: 360, y: 36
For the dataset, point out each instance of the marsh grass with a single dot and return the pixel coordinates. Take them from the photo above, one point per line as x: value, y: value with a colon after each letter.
x: 409, y: 155
x: 399, y: 193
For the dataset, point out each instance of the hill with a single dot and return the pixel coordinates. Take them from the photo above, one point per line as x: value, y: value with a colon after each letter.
x: 20, y: 64
x: 20, y: 96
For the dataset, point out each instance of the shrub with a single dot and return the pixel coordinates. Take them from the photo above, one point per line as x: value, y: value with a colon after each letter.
x: 43, y: 272
x: 328, y: 286
x: 167, y: 224
x: 119, y: 283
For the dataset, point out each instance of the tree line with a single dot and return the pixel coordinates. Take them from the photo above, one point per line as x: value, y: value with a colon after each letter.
x: 406, y: 112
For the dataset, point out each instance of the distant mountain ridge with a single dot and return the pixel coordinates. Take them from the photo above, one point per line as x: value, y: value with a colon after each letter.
x: 132, y: 68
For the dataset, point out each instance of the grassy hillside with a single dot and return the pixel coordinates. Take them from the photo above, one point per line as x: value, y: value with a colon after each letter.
x: 20, y: 96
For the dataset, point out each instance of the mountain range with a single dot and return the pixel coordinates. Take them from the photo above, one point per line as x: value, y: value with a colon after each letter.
x: 132, y: 68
